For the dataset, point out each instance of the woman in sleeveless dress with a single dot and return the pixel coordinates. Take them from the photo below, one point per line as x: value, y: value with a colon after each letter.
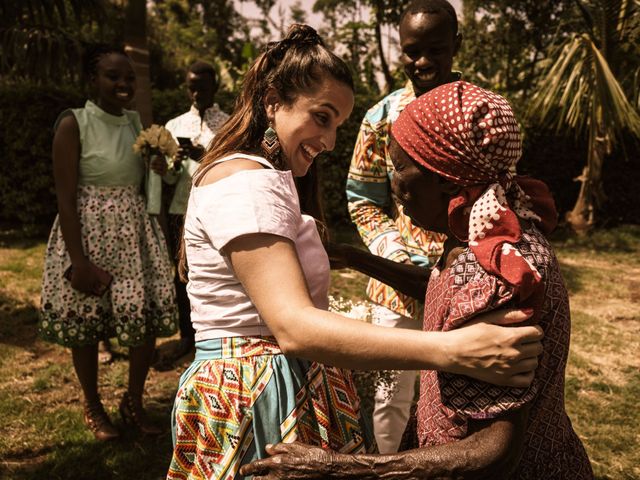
x: 107, y: 271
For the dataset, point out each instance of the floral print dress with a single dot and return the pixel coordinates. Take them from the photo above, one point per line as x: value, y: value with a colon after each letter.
x: 118, y: 236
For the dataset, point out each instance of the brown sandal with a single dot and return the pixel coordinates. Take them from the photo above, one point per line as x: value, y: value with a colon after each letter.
x: 133, y: 413
x: 99, y: 423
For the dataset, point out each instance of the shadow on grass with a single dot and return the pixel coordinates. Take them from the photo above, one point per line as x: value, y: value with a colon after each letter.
x: 79, y: 457
x: 130, y: 457
x: 622, y: 239
x: 16, y: 237
x: 18, y: 322
x: 574, y: 277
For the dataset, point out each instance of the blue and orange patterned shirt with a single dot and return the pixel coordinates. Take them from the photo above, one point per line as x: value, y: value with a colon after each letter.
x: 381, y: 223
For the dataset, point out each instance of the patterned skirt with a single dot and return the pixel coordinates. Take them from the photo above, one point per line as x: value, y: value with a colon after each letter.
x: 119, y: 236
x: 242, y: 393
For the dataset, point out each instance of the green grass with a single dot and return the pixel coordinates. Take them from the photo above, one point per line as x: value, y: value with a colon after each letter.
x: 42, y: 434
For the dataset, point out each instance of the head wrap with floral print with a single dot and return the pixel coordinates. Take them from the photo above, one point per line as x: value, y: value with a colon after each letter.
x: 470, y: 136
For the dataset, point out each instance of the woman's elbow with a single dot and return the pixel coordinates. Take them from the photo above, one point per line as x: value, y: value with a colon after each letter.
x: 290, y: 334
x: 289, y: 346
x: 497, y: 449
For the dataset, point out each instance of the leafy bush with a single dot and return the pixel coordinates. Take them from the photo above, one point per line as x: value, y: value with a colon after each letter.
x: 27, y: 195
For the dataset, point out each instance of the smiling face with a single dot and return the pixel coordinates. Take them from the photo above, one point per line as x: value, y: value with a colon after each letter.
x: 428, y: 45
x: 423, y: 194
x: 308, y: 125
x: 114, y: 82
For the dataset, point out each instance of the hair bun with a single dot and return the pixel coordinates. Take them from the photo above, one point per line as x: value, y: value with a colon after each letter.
x: 301, y: 34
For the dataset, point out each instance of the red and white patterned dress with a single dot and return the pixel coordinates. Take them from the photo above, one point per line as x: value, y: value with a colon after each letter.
x: 552, y: 450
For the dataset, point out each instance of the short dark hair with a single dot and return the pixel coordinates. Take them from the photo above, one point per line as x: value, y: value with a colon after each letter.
x: 93, y: 53
x: 432, y: 6
x: 199, y: 67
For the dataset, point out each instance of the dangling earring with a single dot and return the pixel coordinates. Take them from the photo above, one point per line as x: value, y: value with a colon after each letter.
x: 271, y: 147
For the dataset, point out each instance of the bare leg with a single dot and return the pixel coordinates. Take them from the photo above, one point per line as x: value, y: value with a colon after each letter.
x: 139, y: 362
x: 85, y: 363
x: 131, y: 407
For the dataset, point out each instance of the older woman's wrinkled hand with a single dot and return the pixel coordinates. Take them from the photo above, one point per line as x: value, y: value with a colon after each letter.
x: 293, y: 461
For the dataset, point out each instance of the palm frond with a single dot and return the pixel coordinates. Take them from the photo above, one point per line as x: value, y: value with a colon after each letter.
x: 617, y: 112
x: 579, y: 90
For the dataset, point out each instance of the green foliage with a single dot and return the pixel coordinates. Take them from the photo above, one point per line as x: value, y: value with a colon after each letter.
x: 580, y: 92
x: 27, y: 192
x: 43, y: 39
x: 355, y: 25
x: 26, y: 181
x: 168, y: 104
x: 181, y: 32
x: 504, y: 42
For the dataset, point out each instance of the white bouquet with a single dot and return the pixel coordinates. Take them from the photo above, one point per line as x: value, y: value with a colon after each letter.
x: 155, y: 140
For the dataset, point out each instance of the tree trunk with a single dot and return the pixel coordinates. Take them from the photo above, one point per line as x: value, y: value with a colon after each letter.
x: 135, y: 40
x: 384, y: 66
x: 591, y: 197
x: 580, y: 217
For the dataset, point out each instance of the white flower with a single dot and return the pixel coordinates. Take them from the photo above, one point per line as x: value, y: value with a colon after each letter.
x: 156, y: 137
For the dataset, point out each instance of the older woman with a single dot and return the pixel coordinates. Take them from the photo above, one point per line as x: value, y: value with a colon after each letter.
x: 455, y: 151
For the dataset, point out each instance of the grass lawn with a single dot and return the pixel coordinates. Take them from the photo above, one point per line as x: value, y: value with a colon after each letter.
x: 42, y: 434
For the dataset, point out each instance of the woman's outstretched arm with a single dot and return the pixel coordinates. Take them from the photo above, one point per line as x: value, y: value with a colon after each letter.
x: 269, y: 269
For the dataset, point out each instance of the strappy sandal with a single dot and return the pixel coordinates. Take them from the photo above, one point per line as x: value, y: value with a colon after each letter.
x: 133, y: 413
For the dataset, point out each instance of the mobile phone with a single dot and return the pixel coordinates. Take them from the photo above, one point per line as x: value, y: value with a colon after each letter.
x: 184, y: 141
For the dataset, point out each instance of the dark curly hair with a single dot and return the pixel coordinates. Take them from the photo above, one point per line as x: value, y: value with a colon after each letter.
x: 93, y: 53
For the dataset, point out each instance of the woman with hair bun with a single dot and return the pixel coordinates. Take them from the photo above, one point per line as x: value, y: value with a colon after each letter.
x: 107, y: 271
x: 258, y: 279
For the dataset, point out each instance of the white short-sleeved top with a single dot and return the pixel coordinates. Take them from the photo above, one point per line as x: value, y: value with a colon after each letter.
x: 249, y: 201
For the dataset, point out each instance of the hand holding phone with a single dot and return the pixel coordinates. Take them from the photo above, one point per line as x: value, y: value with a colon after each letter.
x: 184, y: 142
x: 189, y: 150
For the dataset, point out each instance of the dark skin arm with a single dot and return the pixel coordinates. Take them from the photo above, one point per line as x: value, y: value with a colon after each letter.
x: 404, y: 277
x: 86, y: 276
x: 491, y: 450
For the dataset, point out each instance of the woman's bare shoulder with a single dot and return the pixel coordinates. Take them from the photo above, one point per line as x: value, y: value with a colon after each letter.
x: 228, y: 168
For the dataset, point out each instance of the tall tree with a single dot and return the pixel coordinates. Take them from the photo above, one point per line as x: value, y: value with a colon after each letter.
x: 584, y: 90
x: 357, y: 25
x: 506, y: 41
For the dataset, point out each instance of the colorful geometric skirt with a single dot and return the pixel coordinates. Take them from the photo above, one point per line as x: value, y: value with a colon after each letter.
x: 119, y: 236
x: 242, y: 393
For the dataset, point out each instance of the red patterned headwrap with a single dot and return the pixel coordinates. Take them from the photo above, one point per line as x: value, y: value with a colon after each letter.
x: 470, y: 136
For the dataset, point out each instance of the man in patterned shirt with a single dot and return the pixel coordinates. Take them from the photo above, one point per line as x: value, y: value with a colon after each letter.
x: 199, y: 125
x: 429, y: 40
